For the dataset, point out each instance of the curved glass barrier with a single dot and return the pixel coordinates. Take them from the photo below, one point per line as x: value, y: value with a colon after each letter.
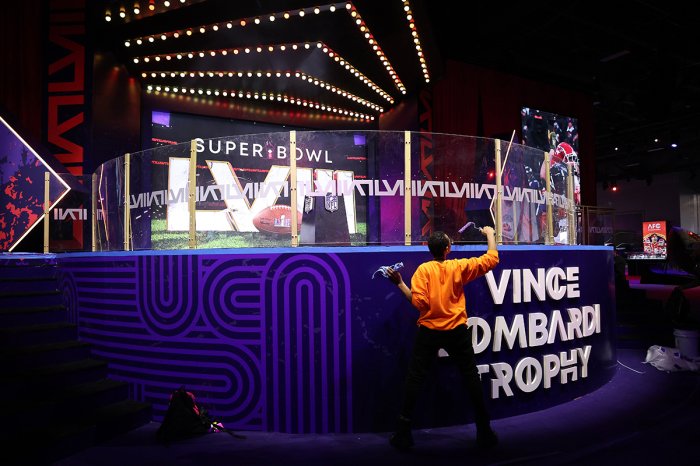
x: 353, y: 188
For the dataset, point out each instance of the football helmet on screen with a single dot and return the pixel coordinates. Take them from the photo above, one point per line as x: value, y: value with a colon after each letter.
x: 566, y: 153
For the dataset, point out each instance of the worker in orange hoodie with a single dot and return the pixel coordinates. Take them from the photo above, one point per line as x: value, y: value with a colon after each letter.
x: 437, y: 292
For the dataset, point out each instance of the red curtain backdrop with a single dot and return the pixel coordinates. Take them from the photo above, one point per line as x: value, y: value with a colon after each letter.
x: 20, y: 61
x: 480, y: 102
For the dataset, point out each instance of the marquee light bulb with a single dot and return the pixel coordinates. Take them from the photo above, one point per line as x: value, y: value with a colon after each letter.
x: 151, y: 39
x: 136, y: 11
x: 166, y: 3
x: 272, y: 17
x: 189, y: 32
x: 306, y: 45
x: 257, y: 21
x: 301, y: 12
x: 127, y: 43
x: 139, y: 42
x: 229, y: 25
x: 286, y: 15
x: 283, y: 47
x: 317, y: 10
x: 122, y: 13
x: 243, y: 23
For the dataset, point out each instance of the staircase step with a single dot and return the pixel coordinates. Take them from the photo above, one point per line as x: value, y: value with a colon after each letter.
x: 26, y: 383
x: 56, y: 441
x: 43, y: 355
x: 30, y: 335
x: 60, y: 405
x: 27, y: 271
x: 30, y: 299
x: 20, y: 285
x: 24, y: 316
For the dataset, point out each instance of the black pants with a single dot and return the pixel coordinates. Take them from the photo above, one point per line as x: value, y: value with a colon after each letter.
x: 458, y: 344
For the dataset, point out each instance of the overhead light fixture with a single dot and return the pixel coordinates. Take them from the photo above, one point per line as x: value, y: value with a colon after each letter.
x: 674, y: 145
x: 614, y: 185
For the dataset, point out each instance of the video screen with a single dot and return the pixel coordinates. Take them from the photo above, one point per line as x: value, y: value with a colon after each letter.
x: 243, y: 172
x: 558, y: 135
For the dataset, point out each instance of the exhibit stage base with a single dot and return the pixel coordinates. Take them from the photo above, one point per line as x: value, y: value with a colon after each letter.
x: 310, y: 340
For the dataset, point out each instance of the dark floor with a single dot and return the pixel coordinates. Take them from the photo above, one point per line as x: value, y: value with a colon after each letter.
x: 647, y: 417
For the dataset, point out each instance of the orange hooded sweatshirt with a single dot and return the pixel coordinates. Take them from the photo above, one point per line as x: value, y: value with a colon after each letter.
x: 438, y: 292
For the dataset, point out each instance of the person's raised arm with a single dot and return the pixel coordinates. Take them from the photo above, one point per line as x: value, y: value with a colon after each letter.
x: 396, y: 279
x: 490, y: 237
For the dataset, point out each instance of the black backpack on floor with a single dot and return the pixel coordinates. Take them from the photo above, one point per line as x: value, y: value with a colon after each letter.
x: 184, y: 420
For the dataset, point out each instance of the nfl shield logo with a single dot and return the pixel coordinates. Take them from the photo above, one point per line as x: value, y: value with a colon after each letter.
x: 331, y: 203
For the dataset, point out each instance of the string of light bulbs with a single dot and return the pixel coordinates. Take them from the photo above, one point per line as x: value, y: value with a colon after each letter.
x: 271, y: 96
x: 259, y: 49
x: 357, y: 19
x: 416, y: 40
x: 269, y: 74
x: 375, y: 45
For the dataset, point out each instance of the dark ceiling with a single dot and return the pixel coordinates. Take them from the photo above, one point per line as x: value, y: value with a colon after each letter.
x: 639, y: 60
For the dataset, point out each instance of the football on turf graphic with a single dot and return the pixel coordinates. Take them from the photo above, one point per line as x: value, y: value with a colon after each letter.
x: 276, y: 220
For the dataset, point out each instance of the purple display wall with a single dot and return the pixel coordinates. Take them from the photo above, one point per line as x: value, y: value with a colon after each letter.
x: 305, y: 341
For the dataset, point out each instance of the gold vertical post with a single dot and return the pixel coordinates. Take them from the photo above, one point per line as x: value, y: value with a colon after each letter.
x: 407, y: 188
x: 127, y: 201
x: 570, y: 211
x: 47, y: 207
x: 293, y: 187
x: 93, y: 210
x: 499, y: 195
x: 548, y: 202
x: 192, y: 199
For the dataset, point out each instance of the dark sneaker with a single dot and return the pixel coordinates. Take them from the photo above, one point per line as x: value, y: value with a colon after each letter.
x: 486, y: 440
x: 403, y: 438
